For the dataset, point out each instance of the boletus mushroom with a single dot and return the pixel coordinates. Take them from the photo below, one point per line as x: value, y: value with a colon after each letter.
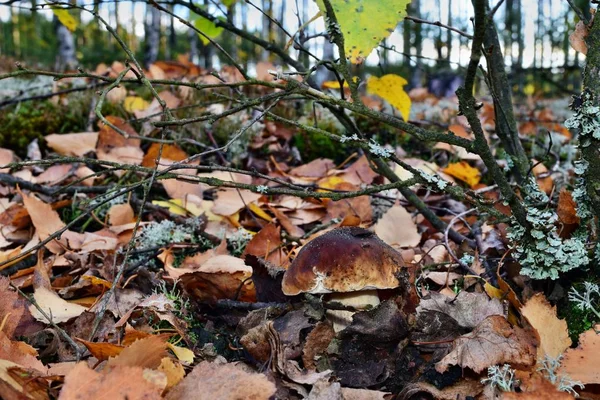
x: 349, y: 264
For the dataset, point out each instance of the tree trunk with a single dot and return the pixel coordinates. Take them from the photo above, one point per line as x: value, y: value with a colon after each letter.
x: 152, y: 27
x: 65, y: 58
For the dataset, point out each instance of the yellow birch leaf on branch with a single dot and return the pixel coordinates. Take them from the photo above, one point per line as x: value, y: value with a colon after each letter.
x: 208, y: 28
x: 365, y: 23
x: 463, y: 171
x: 65, y: 18
x: 390, y: 88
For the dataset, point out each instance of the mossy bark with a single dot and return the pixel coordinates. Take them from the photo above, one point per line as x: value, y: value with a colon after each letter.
x: 590, y: 146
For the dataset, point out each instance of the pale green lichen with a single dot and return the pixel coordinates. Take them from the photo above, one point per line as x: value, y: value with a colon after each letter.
x: 540, y: 250
x: 549, y: 367
x: 502, y: 378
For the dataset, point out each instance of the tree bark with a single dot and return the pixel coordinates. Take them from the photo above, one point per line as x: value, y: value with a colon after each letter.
x: 152, y: 27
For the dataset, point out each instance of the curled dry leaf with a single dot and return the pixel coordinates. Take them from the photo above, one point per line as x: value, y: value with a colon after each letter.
x: 387, y: 228
x: 225, y: 382
x: 493, y: 342
x: 566, y: 210
x: 581, y: 364
x: 553, y: 332
x: 120, y: 382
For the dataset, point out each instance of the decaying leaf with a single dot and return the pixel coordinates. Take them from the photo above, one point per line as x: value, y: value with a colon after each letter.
x: 119, y: 382
x: 222, y: 381
x: 468, y: 309
x: 577, y: 37
x: 493, y: 342
x: 55, y: 307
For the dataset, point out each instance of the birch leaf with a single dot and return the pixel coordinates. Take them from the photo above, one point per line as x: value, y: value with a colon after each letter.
x: 390, y: 88
x: 65, y: 18
x: 365, y: 23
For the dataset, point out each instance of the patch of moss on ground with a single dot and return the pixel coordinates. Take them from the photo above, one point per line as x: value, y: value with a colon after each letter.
x: 578, y: 320
x: 24, y: 122
x: 313, y: 145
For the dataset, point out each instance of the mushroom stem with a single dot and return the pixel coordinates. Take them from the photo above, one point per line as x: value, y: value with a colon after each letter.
x: 359, y: 300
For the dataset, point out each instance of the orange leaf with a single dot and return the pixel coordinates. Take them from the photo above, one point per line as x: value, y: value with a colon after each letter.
x: 463, y: 171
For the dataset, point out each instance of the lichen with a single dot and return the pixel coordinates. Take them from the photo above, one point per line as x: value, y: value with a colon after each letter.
x: 539, y: 249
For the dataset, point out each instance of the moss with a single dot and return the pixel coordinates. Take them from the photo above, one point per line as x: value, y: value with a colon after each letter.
x: 578, y: 320
x: 27, y: 121
x: 314, y: 145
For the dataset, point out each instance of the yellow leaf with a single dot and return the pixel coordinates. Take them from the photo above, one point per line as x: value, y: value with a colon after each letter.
x: 134, y: 103
x: 529, y: 89
x: 183, y: 354
x: 333, y: 85
x: 65, y: 18
x: 463, y: 171
x: 329, y: 183
x: 365, y: 23
x: 259, y: 212
x: 390, y: 88
x: 172, y: 205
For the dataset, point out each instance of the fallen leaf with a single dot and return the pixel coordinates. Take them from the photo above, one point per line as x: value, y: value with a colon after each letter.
x: 230, y: 201
x: 134, y: 103
x: 102, y: 350
x: 120, y: 214
x: 173, y: 370
x: 267, y: 244
x: 493, y: 342
x: 581, y: 363
x: 567, y: 208
x: 224, y: 382
x: 13, y: 311
x: 120, y: 382
x: 55, y: 307
x: 20, y: 353
x: 17, y: 382
x: 577, y: 37
x: 553, y: 332
x: 468, y: 309
x: 183, y: 354
x: 463, y: 171
x: 390, y: 87
x: 387, y: 228
x: 146, y: 353
x: 73, y: 144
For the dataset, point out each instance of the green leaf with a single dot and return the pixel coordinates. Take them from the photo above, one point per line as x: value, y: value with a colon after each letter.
x: 228, y: 3
x: 365, y: 23
x: 207, y: 27
x: 390, y: 88
x: 65, y: 18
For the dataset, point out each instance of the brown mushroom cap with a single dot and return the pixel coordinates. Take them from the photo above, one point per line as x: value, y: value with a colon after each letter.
x: 343, y: 260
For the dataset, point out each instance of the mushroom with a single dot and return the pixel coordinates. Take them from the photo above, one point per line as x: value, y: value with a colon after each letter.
x: 350, y: 264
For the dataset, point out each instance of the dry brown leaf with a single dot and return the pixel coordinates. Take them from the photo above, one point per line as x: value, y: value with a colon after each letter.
x: 468, y: 309
x: 73, y: 144
x: 397, y: 228
x: 581, y: 364
x: 210, y: 287
x: 45, y: 220
x: 230, y: 201
x: 492, y: 342
x: 224, y: 382
x: 20, y: 353
x: 534, y: 386
x: 19, y: 383
x: 553, y: 332
x: 460, y: 390
x: 102, y: 351
x: 543, y: 178
x: 120, y: 382
x: 360, y: 172
x: 169, y: 152
x: 6, y: 156
x: 146, y: 353
x: 315, y: 169
x: 266, y: 244
x: 54, y: 306
x: 566, y: 210
x: 120, y: 214
x: 287, y: 223
x: 13, y: 311
x: 112, y: 146
x: 577, y: 37
x: 54, y: 174
x: 358, y: 207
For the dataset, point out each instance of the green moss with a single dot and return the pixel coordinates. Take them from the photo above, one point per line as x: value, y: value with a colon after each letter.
x: 314, y: 145
x: 578, y: 320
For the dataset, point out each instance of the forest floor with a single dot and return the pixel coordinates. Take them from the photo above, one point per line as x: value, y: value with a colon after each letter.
x: 120, y: 283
